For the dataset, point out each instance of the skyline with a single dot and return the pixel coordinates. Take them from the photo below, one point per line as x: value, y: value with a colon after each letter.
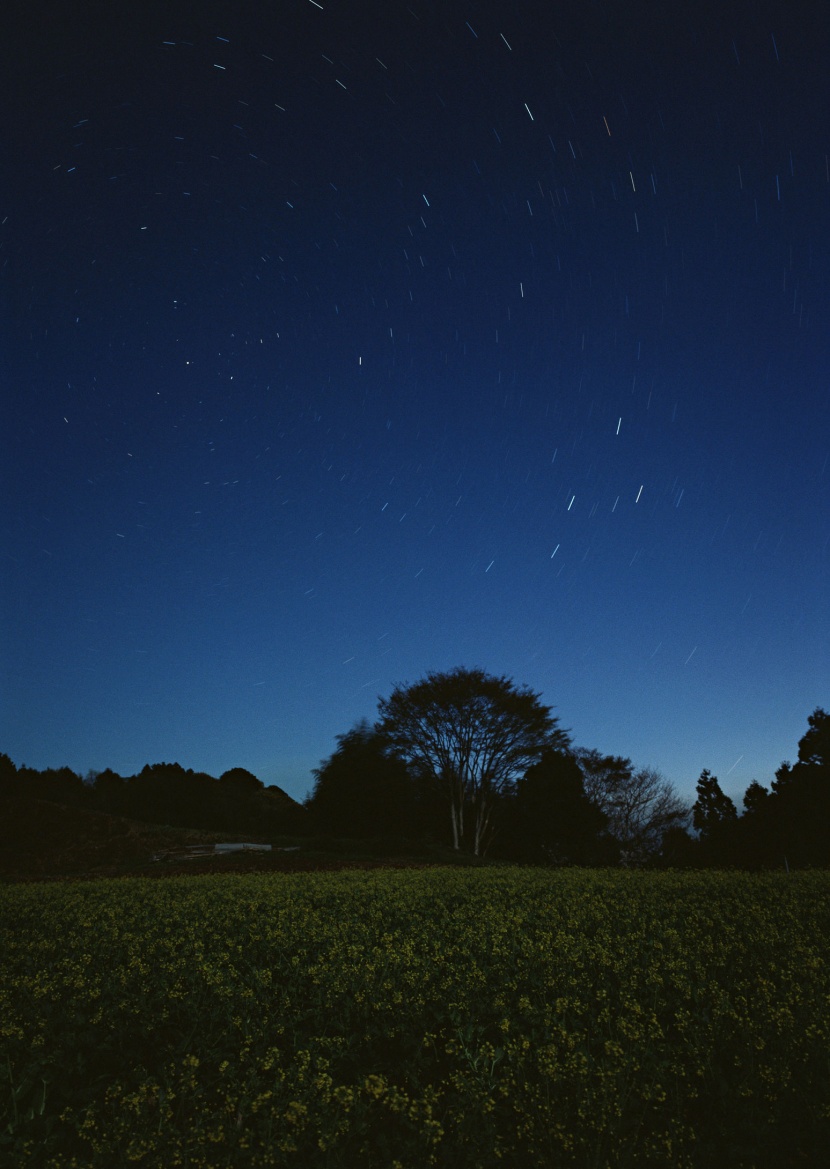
x: 359, y: 341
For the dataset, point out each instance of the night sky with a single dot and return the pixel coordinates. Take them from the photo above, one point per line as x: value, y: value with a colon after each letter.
x: 347, y: 341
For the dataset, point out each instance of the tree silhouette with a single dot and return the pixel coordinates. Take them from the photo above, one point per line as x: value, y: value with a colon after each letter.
x: 8, y: 776
x: 109, y: 792
x: 759, y: 839
x: 472, y: 735
x: 714, y: 816
x: 494, y: 756
x: 242, y: 781
x: 801, y: 795
x: 556, y: 822
x: 360, y: 791
x: 640, y: 805
x: 755, y: 798
x: 814, y: 746
x: 57, y: 784
x: 713, y: 808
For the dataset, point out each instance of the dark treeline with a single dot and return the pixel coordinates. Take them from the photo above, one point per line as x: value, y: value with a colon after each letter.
x: 468, y: 761
x: 787, y: 824
x: 575, y: 806
x: 163, y: 793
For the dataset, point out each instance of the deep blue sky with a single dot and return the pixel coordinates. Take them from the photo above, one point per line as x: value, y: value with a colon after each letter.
x: 361, y: 339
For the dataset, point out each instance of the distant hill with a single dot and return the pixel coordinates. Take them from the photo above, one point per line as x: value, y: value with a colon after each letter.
x: 54, y: 824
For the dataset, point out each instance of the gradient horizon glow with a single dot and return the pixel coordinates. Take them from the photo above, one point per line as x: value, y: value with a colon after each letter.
x: 351, y: 342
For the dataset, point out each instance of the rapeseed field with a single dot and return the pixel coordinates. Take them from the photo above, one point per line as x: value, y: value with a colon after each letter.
x: 460, y: 1018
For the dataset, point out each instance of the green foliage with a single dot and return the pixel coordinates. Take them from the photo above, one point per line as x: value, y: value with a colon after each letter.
x: 567, y: 1019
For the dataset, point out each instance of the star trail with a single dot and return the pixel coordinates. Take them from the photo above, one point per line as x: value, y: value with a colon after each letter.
x: 348, y: 341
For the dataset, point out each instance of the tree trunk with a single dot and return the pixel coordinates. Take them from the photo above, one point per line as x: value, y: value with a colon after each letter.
x: 454, y: 818
x: 481, y: 825
x: 483, y: 837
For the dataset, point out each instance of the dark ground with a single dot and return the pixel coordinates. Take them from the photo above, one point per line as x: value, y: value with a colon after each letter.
x: 44, y: 841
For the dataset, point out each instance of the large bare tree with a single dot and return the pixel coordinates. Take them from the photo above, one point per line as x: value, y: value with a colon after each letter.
x: 640, y: 804
x: 473, y: 735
